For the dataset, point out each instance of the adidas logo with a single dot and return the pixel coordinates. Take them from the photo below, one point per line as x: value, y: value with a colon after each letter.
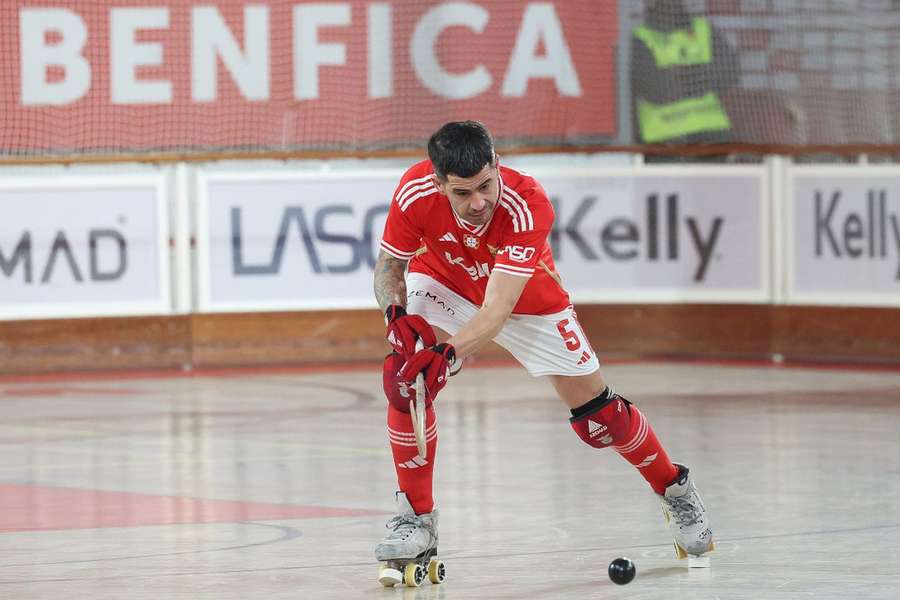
x: 449, y: 237
x: 648, y: 461
x: 393, y: 340
x: 585, y: 356
x: 416, y: 462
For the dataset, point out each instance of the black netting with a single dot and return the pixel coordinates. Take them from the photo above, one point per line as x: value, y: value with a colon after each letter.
x: 822, y: 72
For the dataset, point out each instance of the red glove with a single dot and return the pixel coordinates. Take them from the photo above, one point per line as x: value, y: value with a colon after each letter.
x: 397, y: 391
x: 404, y: 330
x: 434, y: 363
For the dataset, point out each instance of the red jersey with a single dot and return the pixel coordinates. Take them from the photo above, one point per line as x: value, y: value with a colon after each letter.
x: 422, y: 227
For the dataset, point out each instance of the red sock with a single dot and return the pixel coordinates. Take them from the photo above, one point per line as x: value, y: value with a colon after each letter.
x: 644, y: 451
x: 414, y: 473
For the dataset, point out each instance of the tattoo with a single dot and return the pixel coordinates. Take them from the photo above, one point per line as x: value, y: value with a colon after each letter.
x: 390, y: 281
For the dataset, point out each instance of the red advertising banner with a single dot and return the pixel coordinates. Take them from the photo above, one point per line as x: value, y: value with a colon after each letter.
x: 131, y: 75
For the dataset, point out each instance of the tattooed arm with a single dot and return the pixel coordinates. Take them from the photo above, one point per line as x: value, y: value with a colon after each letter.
x: 390, y: 281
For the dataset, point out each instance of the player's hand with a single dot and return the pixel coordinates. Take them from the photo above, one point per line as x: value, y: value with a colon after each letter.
x: 404, y: 330
x: 434, y: 363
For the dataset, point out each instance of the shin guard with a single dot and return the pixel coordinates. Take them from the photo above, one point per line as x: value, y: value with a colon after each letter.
x: 414, y: 473
x: 610, y: 420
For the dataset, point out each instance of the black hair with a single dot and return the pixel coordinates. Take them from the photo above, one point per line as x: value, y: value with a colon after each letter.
x: 460, y: 148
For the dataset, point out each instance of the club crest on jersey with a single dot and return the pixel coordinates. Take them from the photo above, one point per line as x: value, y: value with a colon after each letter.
x: 470, y: 241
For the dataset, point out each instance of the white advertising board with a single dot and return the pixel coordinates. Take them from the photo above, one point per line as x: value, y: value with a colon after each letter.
x: 281, y: 240
x: 844, y: 241
x: 78, y: 246
x: 284, y: 241
x: 661, y: 234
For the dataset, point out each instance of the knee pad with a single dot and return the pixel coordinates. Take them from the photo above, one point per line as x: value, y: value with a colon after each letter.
x: 396, y: 391
x: 603, y: 421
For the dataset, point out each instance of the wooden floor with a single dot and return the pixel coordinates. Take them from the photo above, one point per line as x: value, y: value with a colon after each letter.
x: 277, y: 485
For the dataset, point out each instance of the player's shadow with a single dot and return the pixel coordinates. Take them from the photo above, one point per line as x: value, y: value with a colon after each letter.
x: 426, y: 592
x: 659, y: 572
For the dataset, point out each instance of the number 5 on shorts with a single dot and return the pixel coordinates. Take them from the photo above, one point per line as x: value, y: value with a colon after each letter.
x: 569, y: 336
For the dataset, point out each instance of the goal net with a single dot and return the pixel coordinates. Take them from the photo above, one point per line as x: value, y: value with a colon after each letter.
x: 188, y: 78
x: 181, y: 76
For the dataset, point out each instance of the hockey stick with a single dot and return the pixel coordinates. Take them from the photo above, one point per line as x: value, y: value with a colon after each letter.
x: 417, y: 410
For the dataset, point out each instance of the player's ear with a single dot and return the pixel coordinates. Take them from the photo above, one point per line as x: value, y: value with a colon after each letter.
x: 438, y: 183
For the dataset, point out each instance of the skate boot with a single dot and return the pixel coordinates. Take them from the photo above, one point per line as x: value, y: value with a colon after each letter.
x: 408, y: 552
x: 686, y: 515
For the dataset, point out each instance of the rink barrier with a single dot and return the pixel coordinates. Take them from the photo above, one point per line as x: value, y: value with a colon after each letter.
x: 762, y: 294
x: 720, y: 332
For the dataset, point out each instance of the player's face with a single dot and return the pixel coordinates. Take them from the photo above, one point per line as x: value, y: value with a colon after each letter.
x: 473, y: 198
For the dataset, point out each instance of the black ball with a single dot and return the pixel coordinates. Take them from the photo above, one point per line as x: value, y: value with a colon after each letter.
x: 621, y: 571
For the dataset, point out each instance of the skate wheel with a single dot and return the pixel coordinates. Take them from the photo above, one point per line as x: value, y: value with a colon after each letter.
x: 437, y: 573
x: 680, y: 552
x: 389, y: 576
x: 413, y: 574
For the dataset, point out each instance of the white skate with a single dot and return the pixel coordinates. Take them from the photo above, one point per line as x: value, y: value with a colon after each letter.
x: 686, y: 515
x: 408, y: 552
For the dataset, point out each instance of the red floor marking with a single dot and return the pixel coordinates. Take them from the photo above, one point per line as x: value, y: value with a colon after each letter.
x: 40, y: 508
x: 68, y: 391
x: 375, y: 367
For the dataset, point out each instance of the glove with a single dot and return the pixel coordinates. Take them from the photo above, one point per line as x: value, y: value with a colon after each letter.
x: 404, y: 330
x: 397, y: 391
x: 435, y: 363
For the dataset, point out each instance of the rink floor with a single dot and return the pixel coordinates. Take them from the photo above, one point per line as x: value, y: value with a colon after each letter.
x: 276, y: 485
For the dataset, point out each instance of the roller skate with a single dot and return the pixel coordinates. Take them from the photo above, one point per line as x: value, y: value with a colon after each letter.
x: 409, y: 550
x: 686, y: 515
